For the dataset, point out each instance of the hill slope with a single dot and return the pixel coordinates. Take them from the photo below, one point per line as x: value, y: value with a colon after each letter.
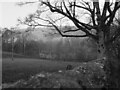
x: 86, y: 75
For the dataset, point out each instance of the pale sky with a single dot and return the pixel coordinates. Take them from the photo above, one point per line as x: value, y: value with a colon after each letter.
x: 10, y: 12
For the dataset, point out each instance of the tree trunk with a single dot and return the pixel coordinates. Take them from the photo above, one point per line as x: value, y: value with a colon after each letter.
x: 12, y: 40
x: 24, y: 45
x: 24, y: 48
x: 103, y: 53
x: 101, y: 48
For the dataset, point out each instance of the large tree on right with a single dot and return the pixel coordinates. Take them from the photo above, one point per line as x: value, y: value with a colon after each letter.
x: 99, y: 27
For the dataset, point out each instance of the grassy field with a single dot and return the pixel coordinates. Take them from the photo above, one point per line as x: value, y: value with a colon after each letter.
x: 23, y: 68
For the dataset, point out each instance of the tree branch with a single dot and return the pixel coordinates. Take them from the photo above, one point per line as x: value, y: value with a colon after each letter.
x: 93, y: 16
x: 112, y: 15
x: 106, y: 6
x: 85, y: 8
x: 66, y: 9
x: 63, y: 35
x: 24, y: 3
x: 83, y: 26
x: 97, y: 8
x: 71, y: 30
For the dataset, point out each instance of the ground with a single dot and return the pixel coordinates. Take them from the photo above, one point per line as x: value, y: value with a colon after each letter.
x: 52, y: 74
x: 23, y: 68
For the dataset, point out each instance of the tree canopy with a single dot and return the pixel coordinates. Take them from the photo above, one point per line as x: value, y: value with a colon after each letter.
x: 86, y: 16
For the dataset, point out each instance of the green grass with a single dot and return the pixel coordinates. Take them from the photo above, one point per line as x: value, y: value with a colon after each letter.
x: 23, y: 68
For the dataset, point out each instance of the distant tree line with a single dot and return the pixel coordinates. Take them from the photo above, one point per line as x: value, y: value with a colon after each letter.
x: 67, y: 49
x: 61, y: 49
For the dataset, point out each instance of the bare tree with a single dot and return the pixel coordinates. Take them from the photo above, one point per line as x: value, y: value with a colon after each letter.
x: 97, y: 27
x: 9, y: 34
x: 25, y: 35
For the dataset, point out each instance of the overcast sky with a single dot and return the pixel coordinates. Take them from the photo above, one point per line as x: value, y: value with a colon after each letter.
x: 10, y: 12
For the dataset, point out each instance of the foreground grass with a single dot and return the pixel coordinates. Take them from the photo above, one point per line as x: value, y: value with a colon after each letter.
x: 86, y: 75
x: 23, y: 68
